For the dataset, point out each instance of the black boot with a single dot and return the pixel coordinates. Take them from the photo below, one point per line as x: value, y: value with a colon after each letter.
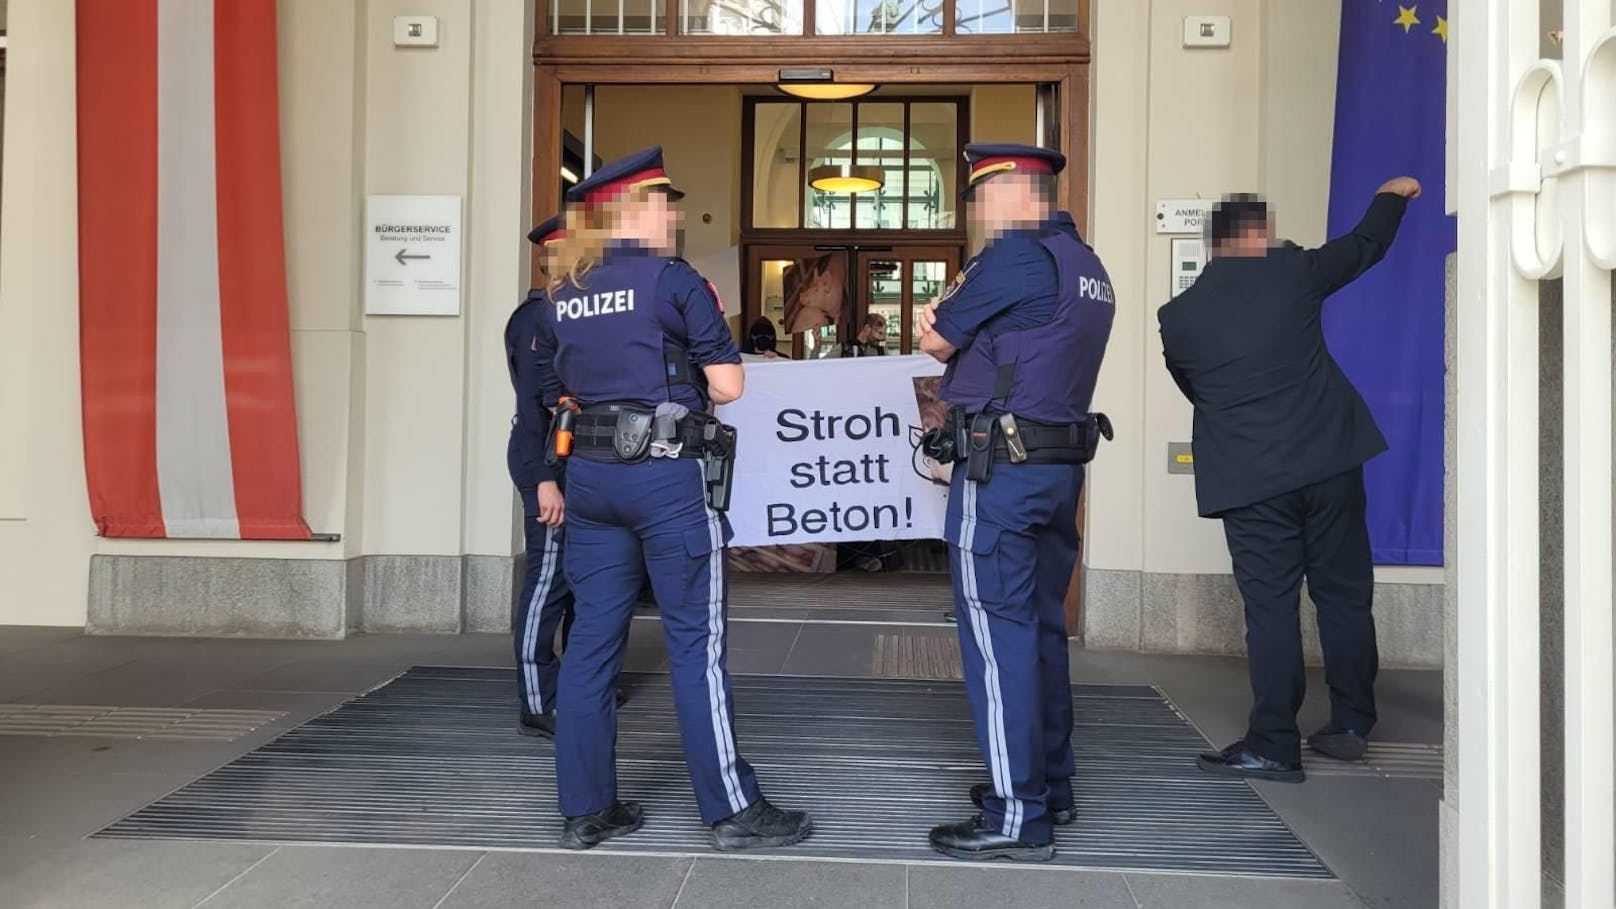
x: 761, y: 826
x: 976, y: 841
x: 622, y: 696
x: 1239, y: 761
x: 590, y: 830
x: 1342, y: 744
x: 541, y: 725
x: 1061, y: 817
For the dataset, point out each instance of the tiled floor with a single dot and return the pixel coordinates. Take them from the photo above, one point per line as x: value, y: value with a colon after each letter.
x: 1379, y: 836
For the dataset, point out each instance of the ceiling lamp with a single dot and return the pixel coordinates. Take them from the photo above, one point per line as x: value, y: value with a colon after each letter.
x: 826, y: 91
x: 846, y: 178
x: 820, y: 85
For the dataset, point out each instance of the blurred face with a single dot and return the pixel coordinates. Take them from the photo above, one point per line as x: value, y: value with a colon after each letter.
x: 651, y: 220
x: 1254, y: 239
x: 1006, y: 202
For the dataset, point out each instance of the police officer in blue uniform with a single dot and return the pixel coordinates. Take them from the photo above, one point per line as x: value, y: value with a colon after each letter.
x: 546, y: 603
x: 639, y: 341
x: 1023, y: 331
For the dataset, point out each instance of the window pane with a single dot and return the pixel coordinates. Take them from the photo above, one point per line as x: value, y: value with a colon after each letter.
x: 607, y: 17
x: 934, y: 156
x: 880, y: 144
x: 885, y: 295
x: 1000, y: 17
x: 928, y: 282
x: 830, y: 140
x: 777, y: 147
x: 879, y: 17
x: 741, y: 17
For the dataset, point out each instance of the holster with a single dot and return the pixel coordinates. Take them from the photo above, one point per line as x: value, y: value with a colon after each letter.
x: 718, y: 463
x: 979, y: 453
x: 948, y: 443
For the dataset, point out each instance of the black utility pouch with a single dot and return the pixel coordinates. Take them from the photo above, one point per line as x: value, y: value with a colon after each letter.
x: 979, y: 457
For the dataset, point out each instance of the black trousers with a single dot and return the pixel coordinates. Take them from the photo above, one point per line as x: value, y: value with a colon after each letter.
x: 1317, y: 532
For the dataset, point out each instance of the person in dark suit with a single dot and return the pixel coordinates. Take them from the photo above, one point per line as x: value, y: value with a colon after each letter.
x: 1280, y: 440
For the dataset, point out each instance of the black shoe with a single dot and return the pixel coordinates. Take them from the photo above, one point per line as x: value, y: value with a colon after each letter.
x: 591, y: 830
x: 761, y: 826
x: 541, y: 726
x: 1061, y: 817
x: 1342, y: 744
x: 622, y: 696
x: 1239, y: 761
x: 975, y: 841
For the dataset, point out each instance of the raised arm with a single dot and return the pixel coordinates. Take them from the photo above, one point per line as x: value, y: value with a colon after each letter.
x: 1343, y: 259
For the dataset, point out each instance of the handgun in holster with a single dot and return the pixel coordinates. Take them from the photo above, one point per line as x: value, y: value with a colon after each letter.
x: 979, y: 453
x: 559, y: 445
x: 718, y: 463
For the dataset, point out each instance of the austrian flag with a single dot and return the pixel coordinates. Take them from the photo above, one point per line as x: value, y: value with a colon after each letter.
x: 185, y: 350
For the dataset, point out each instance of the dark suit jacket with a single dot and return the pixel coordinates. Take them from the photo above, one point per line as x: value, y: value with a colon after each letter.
x: 1273, y: 411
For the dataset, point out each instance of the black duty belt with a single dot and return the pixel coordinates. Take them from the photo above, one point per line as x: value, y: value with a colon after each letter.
x: 1047, y: 444
x: 596, y: 433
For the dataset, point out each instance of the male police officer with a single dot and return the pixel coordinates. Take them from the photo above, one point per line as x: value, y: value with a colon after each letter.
x: 1023, y: 331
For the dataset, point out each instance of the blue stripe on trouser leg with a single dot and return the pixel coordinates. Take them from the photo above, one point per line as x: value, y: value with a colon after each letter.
x: 603, y: 567
x: 620, y: 517
x: 543, y: 607
x: 993, y: 573
x: 686, y: 561
x: 1057, y: 557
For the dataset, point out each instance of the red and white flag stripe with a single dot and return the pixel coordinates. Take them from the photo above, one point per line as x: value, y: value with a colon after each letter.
x: 189, y: 427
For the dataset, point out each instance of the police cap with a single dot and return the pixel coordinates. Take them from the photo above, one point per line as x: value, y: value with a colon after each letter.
x: 641, y: 170
x: 547, y: 233
x: 983, y: 161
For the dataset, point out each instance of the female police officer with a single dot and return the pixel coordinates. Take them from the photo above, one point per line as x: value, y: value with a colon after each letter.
x: 546, y: 601
x: 639, y: 341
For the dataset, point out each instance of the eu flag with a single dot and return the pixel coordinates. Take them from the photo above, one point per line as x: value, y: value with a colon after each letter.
x: 1386, y: 328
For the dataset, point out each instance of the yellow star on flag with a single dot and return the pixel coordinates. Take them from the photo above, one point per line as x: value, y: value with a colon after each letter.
x: 1406, y: 17
x: 1441, y: 29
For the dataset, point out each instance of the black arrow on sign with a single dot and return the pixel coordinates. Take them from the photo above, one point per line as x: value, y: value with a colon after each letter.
x: 401, y: 256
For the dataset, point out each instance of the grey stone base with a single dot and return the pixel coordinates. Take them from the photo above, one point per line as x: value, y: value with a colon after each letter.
x: 298, y: 598
x: 1202, y: 613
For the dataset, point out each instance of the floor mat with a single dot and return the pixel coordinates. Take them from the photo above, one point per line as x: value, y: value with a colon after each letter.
x: 432, y: 758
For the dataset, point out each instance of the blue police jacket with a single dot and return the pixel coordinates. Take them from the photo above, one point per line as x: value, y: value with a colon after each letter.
x: 1030, y: 317
x: 608, y: 341
x: 524, y: 455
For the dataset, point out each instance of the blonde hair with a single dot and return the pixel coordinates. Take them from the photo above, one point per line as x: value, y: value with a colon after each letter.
x: 587, y: 232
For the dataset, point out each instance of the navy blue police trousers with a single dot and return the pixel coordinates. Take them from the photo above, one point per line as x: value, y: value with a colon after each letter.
x: 544, y: 606
x: 625, y: 521
x: 1014, y: 545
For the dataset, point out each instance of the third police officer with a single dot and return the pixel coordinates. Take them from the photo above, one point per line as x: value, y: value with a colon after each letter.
x: 639, y: 341
x: 1023, y: 331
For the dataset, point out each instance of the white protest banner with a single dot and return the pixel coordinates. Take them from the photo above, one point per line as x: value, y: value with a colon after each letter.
x: 827, y: 452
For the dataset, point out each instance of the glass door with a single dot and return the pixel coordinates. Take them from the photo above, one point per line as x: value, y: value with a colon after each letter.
x: 893, y: 287
x: 815, y: 311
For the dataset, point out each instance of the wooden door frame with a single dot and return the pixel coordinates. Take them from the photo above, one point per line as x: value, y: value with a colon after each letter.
x: 673, y: 59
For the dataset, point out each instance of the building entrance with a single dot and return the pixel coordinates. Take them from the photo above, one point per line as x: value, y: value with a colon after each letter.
x: 831, y: 215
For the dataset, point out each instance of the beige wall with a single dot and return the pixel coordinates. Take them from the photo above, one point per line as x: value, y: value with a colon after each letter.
x: 1172, y: 122
x: 45, y: 533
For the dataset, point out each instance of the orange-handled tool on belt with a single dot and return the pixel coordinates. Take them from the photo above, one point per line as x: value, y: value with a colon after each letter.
x: 567, y: 410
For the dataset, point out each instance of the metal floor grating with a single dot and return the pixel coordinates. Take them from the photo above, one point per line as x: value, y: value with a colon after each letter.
x: 431, y: 758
